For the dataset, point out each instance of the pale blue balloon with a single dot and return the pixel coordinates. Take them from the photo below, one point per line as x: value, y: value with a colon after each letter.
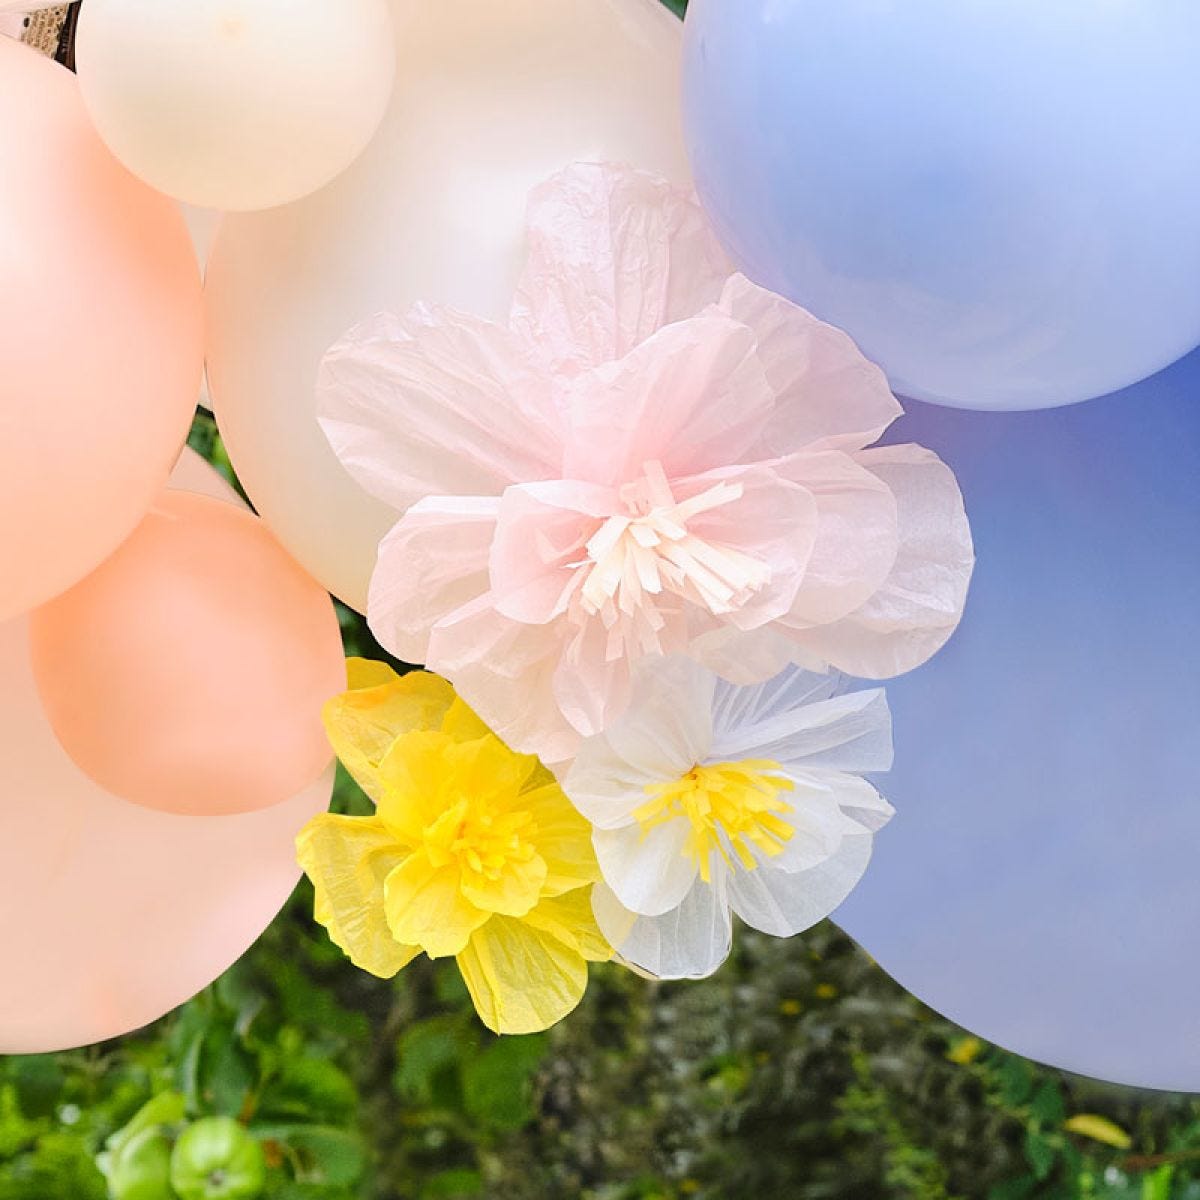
x: 1040, y: 882
x: 999, y: 199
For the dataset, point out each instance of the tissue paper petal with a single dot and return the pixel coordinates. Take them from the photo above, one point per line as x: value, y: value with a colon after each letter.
x: 783, y: 903
x: 828, y: 396
x: 692, y: 396
x: 613, y: 257
x: 438, y: 403
x: 522, y: 979
x: 920, y: 604
x: 798, y: 722
x: 507, y: 669
x: 689, y: 942
x: 857, y: 535
x: 363, y: 722
x: 432, y: 563
x: 348, y: 859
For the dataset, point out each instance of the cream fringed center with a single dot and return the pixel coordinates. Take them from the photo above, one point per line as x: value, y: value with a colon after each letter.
x: 638, y: 556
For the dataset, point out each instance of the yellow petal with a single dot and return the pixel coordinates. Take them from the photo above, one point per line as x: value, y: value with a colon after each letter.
x: 363, y: 722
x: 515, y: 890
x: 462, y: 724
x: 426, y: 907
x: 365, y: 673
x: 564, y: 840
x: 570, y: 919
x: 522, y: 979
x: 348, y: 859
x: 488, y: 766
x: 417, y: 777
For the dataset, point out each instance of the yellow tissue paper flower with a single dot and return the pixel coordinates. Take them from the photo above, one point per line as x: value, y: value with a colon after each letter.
x: 474, y: 852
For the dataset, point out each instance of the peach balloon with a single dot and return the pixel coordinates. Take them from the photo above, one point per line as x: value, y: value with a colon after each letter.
x: 101, y: 337
x: 110, y: 914
x: 189, y: 671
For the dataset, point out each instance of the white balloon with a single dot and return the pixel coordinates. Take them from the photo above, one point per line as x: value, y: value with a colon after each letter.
x: 492, y: 97
x: 236, y: 104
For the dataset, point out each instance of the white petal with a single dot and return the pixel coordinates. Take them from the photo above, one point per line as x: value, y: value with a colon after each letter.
x: 605, y: 787
x: 737, y: 707
x: 782, y: 903
x: 818, y: 828
x: 862, y: 803
x: 690, y: 942
x: 648, y: 872
x: 665, y: 732
x: 437, y: 403
x: 669, y: 724
x: 748, y: 658
x: 792, y: 726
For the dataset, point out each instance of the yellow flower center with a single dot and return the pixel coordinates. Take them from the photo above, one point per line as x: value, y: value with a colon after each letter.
x: 732, y: 807
x: 480, y: 839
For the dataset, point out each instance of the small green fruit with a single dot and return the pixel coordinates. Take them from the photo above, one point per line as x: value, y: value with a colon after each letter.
x: 142, y: 1168
x: 216, y: 1159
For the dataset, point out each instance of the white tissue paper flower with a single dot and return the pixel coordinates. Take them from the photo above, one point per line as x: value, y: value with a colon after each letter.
x: 708, y: 798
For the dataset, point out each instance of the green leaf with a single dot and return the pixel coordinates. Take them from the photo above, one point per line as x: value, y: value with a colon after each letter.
x: 1040, y: 1153
x: 449, y: 984
x: 1013, y: 1189
x: 39, y: 1079
x: 497, y: 1084
x: 1047, y: 1104
x: 1015, y: 1077
x: 1157, y: 1185
x: 327, y: 1155
x: 167, y: 1108
x: 1099, y: 1129
x: 427, y: 1049
x: 16, y: 1131
x: 310, y: 1088
x: 227, y: 1072
x: 457, y: 1184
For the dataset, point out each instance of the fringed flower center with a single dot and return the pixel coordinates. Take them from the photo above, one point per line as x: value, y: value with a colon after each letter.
x: 649, y: 551
x: 734, y: 809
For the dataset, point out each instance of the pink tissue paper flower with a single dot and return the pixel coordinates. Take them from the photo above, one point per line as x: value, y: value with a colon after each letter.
x: 654, y: 456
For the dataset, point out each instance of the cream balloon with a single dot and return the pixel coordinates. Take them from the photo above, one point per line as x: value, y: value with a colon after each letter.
x: 491, y: 99
x: 111, y: 914
x: 236, y: 104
